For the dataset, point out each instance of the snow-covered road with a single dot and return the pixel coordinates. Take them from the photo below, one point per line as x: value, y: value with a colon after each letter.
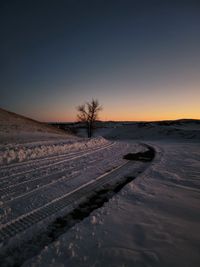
x: 153, y: 221
x: 37, y: 191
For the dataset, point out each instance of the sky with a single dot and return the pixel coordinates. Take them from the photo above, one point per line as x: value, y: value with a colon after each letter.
x: 139, y: 58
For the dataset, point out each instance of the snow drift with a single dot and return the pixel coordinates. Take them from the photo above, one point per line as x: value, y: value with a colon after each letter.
x: 22, y: 152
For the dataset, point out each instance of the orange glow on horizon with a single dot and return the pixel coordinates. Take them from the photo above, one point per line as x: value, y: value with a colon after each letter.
x: 171, y: 105
x: 130, y: 117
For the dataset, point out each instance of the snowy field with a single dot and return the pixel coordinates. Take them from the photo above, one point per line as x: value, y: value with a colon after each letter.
x: 68, y: 201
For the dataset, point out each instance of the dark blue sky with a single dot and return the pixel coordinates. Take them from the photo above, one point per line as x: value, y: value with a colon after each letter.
x: 141, y: 59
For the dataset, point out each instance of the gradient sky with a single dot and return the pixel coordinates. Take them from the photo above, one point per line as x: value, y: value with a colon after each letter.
x: 140, y: 59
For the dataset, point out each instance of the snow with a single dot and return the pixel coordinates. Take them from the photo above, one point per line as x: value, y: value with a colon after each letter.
x: 153, y: 221
x: 152, y: 131
x: 13, y: 153
x: 93, y: 219
x: 18, y: 129
x: 33, y: 185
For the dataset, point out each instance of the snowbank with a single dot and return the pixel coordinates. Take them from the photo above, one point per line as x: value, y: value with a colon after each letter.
x: 19, y: 153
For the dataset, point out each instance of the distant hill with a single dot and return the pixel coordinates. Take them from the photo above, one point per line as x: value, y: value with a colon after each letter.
x: 182, y: 129
x: 177, y: 129
x: 178, y: 122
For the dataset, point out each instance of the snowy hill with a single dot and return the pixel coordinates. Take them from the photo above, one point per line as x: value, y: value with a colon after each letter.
x: 17, y: 128
x: 170, y: 130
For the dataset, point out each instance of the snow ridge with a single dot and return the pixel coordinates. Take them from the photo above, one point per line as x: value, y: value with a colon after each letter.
x: 23, y: 152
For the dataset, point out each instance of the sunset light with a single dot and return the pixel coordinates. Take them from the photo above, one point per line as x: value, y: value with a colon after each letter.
x: 100, y: 133
x: 142, y: 61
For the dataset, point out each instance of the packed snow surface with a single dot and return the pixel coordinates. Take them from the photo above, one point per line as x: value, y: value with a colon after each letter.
x: 12, y: 153
x: 44, y: 174
x: 153, y: 221
x: 35, y: 183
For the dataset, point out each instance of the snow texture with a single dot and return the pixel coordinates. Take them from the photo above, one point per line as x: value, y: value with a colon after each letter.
x: 152, y: 221
x: 12, y: 153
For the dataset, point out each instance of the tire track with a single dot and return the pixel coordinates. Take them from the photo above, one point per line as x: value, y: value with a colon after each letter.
x: 37, y: 162
x: 27, y: 187
x: 25, y: 221
x: 44, y: 224
x: 10, y: 179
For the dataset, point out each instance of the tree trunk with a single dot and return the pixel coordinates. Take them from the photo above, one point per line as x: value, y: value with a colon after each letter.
x: 89, y: 129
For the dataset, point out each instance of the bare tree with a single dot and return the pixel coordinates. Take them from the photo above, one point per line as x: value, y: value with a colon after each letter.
x: 88, y: 113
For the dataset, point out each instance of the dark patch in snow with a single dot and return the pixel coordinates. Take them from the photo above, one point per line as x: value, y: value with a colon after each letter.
x: 15, y: 257
x: 141, y: 156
